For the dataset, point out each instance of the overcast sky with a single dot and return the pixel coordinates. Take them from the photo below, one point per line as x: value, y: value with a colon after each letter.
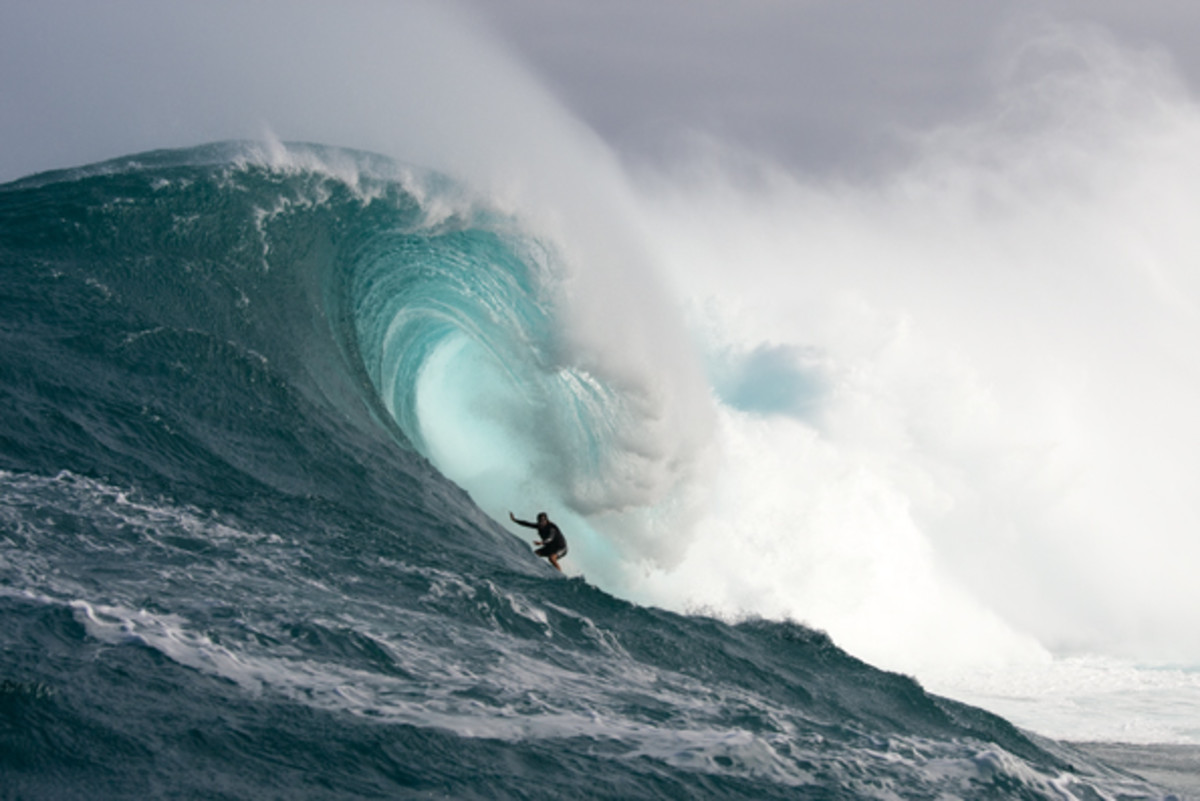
x: 820, y: 85
x: 817, y: 84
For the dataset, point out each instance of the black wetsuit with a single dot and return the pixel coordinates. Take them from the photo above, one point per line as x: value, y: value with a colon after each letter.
x: 553, y: 541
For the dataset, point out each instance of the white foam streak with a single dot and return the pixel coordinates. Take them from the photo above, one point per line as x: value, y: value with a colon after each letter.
x: 533, y: 700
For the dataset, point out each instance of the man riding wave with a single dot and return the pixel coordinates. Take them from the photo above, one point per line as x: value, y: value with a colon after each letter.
x: 553, y: 543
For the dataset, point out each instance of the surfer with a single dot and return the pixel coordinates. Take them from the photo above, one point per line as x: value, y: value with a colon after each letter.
x: 553, y: 543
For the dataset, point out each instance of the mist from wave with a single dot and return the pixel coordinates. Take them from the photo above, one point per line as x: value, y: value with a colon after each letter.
x: 955, y: 401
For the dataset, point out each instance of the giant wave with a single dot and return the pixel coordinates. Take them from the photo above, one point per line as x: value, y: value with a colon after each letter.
x: 230, y: 566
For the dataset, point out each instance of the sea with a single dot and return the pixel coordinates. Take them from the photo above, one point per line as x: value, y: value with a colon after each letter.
x: 266, y: 409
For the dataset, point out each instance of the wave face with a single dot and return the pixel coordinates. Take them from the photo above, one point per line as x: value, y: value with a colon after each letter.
x: 229, y: 568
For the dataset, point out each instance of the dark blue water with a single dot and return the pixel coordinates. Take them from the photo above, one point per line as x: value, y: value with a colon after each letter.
x: 227, y: 571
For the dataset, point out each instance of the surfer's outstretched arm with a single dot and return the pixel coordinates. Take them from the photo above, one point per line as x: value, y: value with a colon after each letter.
x: 525, y: 523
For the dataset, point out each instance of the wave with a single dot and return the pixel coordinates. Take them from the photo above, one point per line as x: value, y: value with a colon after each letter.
x: 241, y: 376
x: 249, y: 288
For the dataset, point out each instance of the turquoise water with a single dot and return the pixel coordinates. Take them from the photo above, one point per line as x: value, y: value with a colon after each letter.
x: 229, y: 569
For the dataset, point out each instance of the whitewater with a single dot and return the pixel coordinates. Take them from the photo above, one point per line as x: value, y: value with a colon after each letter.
x: 954, y: 404
x: 829, y: 453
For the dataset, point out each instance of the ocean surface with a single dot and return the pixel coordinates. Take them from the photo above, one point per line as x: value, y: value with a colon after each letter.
x: 245, y: 391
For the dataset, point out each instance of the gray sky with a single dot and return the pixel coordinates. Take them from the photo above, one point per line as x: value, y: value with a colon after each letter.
x: 820, y: 85
x: 816, y: 84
